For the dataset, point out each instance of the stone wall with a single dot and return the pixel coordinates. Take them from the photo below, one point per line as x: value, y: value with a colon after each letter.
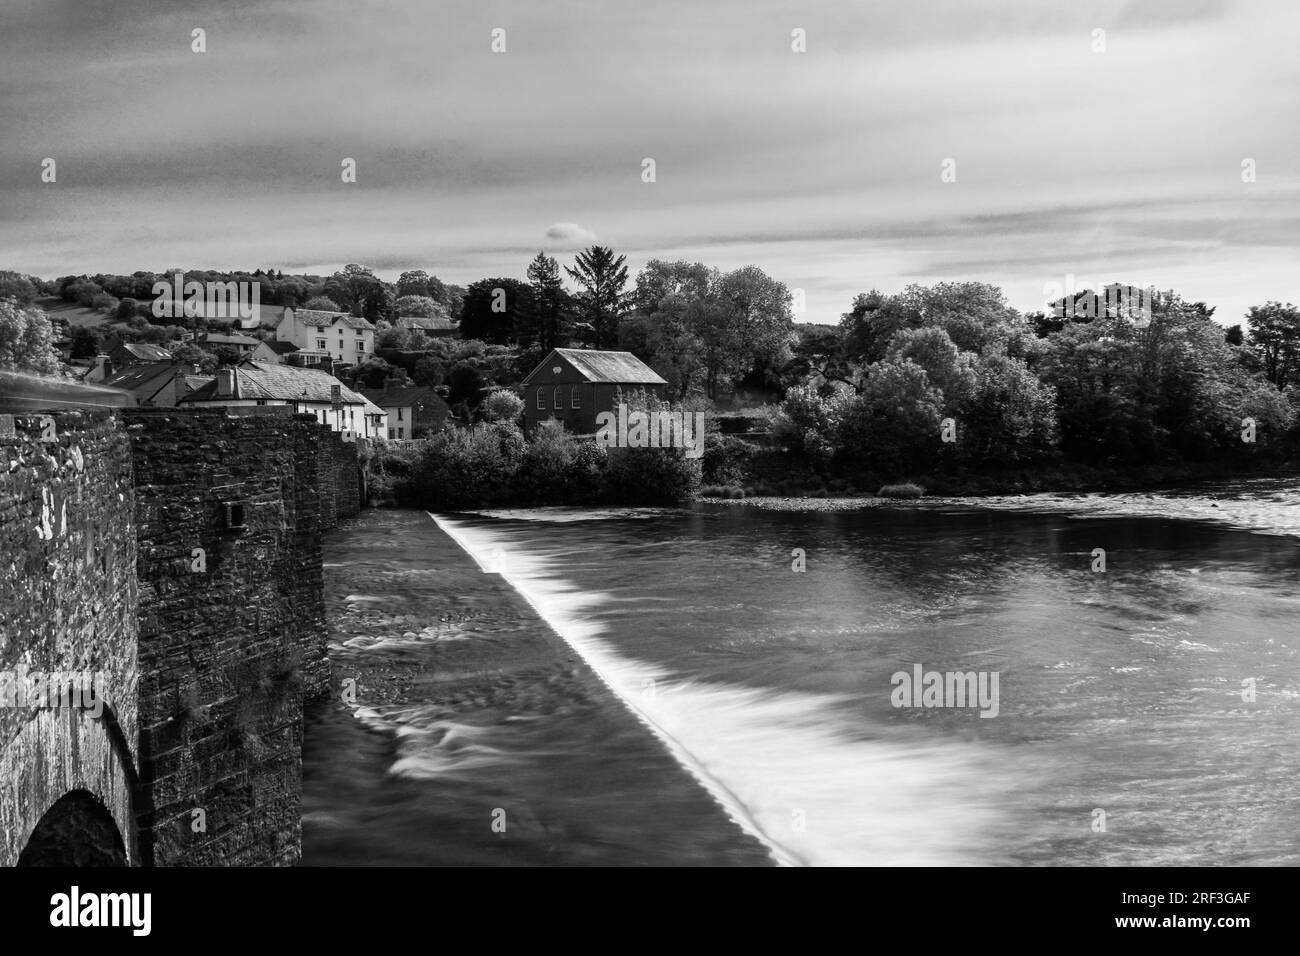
x: 68, y: 602
x: 178, y: 554
x: 232, y: 633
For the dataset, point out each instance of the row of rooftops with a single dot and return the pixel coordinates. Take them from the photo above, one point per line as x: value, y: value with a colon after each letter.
x: 272, y: 382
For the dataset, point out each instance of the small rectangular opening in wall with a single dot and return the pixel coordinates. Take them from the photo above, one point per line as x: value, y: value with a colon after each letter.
x: 235, y: 516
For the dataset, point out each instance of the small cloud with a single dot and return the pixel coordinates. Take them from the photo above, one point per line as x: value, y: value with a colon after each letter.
x: 570, y: 234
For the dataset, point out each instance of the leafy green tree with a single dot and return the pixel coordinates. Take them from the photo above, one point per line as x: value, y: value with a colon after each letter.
x: 1275, y: 335
x: 494, y: 308
x: 892, y: 427
x: 26, y: 339
x: 322, y: 303
x: 419, y: 305
x: 502, y: 405
x: 414, y: 283
x: 15, y: 285
x: 746, y: 320
x: 86, y: 342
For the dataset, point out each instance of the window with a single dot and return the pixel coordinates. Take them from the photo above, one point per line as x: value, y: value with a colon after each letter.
x: 399, y: 413
x: 361, y: 348
x: 541, y: 398
x: 234, y: 516
x: 320, y: 330
x: 559, y: 398
x: 575, y: 401
x: 320, y: 344
x: 390, y: 433
x: 400, y: 431
x: 360, y: 334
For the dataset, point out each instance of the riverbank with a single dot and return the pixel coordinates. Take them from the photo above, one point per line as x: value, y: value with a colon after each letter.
x: 475, y: 735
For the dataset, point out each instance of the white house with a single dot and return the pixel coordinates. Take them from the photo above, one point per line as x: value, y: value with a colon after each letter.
x: 308, y: 390
x: 327, y: 336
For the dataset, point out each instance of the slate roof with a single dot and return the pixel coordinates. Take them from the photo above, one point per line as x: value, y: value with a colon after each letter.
x: 143, y: 381
x: 402, y: 396
x: 220, y: 338
x: 282, y: 348
x: 285, y: 383
x: 619, y: 368
x: 314, y: 317
x: 148, y: 353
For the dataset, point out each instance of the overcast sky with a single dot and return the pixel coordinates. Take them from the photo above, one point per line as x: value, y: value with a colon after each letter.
x: 823, y: 167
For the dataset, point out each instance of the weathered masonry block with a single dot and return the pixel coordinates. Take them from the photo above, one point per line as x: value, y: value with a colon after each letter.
x: 176, y: 554
x: 232, y: 636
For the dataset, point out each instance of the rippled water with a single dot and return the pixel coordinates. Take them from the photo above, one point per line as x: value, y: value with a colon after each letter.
x: 757, y: 700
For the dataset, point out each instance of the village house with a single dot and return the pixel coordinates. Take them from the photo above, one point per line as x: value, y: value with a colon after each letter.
x: 434, y: 327
x: 326, y: 336
x: 247, y: 346
x: 158, y: 384
x: 283, y: 352
x: 308, y: 391
x: 124, y: 356
x: 575, y: 385
x: 410, y: 410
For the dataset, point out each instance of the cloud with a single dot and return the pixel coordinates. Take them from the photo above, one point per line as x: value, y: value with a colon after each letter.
x: 570, y: 234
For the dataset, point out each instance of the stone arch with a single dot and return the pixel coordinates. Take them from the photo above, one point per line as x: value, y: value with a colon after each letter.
x: 59, y: 752
x: 77, y: 830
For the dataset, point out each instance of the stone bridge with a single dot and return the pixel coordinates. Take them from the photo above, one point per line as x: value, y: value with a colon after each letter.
x: 169, y: 562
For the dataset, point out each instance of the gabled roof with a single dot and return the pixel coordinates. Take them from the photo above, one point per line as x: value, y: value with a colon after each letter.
x: 148, y: 353
x: 618, y: 368
x: 402, y: 396
x: 220, y: 338
x: 143, y: 381
x: 281, y: 347
x: 314, y: 317
x: 275, y: 382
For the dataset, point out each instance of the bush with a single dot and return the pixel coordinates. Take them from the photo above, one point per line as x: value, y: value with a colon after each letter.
x: 727, y: 458
x: 903, y: 490
x: 502, y: 406
x: 104, y: 302
x: 635, y: 476
x: 465, y: 467
x: 559, y: 469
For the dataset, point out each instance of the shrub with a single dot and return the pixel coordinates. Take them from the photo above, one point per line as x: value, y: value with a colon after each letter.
x: 558, y: 469
x: 465, y: 467
x: 727, y: 458
x: 635, y: 476
x: 502, y: 405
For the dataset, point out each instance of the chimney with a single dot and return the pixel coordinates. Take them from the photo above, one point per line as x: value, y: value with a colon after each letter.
x: 227, y: 383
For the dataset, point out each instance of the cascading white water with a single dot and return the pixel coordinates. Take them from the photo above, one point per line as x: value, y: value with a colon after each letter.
x: 787, y: 767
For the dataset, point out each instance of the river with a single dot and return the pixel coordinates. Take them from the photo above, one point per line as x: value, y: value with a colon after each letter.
x: 698, y: 700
